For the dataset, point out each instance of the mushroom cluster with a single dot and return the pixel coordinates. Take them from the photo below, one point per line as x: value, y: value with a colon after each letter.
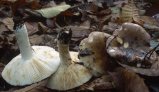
x: 69, y: 74
x: 130, y: 46
x: 92, y: 53
x: 33, y: 64
x: 36, y: 63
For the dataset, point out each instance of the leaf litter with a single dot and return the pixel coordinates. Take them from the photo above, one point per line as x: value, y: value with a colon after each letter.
x: 84, y: 17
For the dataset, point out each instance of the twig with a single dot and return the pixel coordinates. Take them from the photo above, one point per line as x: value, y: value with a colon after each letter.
x: 111, y: 41
x: 150, y: 52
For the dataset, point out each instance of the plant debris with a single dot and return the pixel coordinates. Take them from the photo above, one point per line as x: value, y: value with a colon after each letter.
x: 131, y: 48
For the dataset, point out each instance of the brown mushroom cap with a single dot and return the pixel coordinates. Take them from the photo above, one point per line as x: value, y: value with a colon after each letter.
x: 96, y: 57
x: 129, y: 46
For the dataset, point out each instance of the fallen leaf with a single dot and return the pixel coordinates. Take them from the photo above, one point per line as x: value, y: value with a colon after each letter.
x: 111, y: 27
x: 9, y: 23
x: 130, y: 13
x: 32, y: 4
x: 127, y: 81
x: 32, y: 27
x: 36, y: 39
x: 104, y: 82
x: 79, y: 31
x: 149, y: 20
x: 5, y: 11
x: 53, y: 11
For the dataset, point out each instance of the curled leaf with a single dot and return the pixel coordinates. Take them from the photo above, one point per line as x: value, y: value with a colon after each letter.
x: 53, y: 11
x: 127, y: 81
x: 130, y: 13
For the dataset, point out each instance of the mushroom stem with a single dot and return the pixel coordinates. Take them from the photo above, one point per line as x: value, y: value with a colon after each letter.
x: 23, y: 42
x: 64, y: 54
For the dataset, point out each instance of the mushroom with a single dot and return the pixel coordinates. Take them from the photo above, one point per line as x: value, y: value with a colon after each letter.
x: 69, y: 74
x: 31, y: 65
x: 92, y: 53
x: 130, y: 46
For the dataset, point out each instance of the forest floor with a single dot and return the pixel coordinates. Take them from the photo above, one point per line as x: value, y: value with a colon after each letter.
x: 83, y: 17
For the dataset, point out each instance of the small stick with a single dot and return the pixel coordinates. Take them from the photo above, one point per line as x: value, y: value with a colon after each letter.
x: 111, y: 41
x: 150, y: 52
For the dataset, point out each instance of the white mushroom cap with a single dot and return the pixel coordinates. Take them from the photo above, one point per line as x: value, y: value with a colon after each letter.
x: 31, y: 65
x: 97, y: 58
x: 44, y: 62
x: 69, y: 74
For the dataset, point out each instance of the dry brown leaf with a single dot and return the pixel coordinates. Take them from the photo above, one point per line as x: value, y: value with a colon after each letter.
x: 128, y: 81
x: 111, y: 27
x: 42, y: 28
x: 3, y: 28
x: 36, y: 39
x: 9, y: 23
x: 5, y: 11
x: 49, y: 4
x: 149, y: 20
x: 33, y: 4
x: 32, y: 27
x: 79, y: 31
x: 17, y: 4
x: 86, y: 24
x: 104, y: 82
x: 130, y: 13
x: 9, y: 0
